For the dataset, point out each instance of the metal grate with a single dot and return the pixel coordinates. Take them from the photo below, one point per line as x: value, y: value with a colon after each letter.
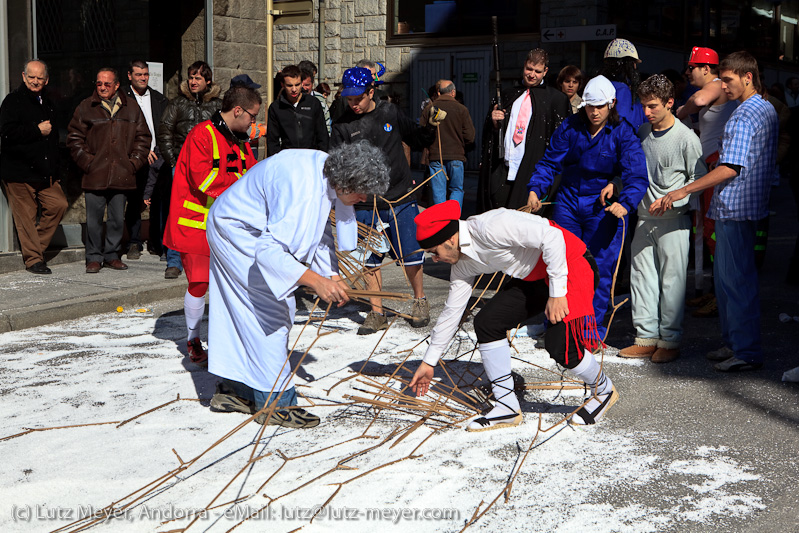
x: 97, y: 23
x: 49, y: 17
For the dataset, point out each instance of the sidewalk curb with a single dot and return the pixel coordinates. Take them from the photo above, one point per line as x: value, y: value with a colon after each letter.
x: 50, y: 313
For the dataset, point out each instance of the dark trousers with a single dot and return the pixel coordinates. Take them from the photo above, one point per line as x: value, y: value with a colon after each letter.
x: 134, y: 207
x: 24, y: 201
x: 515, y: 303
x: 96, y: 203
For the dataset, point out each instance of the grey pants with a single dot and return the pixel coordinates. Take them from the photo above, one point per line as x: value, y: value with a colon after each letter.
x: 96, y: 203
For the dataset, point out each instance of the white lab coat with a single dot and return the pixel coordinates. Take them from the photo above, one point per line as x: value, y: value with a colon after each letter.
x: 261, y: 231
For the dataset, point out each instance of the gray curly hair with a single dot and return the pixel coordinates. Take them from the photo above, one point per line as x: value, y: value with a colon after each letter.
x: 359, y: 167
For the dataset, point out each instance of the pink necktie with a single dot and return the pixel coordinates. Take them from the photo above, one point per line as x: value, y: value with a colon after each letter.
x: 523, y: 120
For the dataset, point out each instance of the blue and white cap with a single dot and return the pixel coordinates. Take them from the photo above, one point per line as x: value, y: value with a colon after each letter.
x: 355, y: 80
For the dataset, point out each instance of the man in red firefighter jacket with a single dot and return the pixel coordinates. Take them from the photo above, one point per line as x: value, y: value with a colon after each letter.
x: 213, y: 157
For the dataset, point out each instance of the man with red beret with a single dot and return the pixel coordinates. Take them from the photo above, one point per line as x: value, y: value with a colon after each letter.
x: 551, y: 270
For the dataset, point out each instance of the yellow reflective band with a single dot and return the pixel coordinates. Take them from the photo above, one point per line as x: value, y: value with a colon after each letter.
x: 216, y: 146
x: 197, y: 208
x: 196, y: 224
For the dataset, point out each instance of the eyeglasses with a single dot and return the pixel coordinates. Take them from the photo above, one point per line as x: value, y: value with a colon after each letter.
x: 252, y: 117
x: 692, y: 67
x: 104, y: 84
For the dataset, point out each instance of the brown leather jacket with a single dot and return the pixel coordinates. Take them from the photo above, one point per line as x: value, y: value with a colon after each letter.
x: 108, y: 149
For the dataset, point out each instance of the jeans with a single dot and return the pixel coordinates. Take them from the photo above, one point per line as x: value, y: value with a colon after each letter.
x: 262, y: 398
x: 439, y: 183
x: 172, y: 256
x: 737, y: 288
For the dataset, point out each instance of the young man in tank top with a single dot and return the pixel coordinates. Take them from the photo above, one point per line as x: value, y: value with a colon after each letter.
x: 714, y: 109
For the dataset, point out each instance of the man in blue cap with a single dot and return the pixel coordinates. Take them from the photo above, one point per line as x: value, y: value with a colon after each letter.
x: 384, y: 125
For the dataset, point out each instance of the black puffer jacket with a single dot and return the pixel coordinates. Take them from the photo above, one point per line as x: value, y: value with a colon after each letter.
x: 181, y: 115
x: 26, y: 155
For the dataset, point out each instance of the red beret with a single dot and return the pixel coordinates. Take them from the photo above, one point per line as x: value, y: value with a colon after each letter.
x: 438, y: 223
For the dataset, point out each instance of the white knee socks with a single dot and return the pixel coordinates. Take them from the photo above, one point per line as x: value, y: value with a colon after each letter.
x: 496, y: 361
x: 589, y: 371
x: 193, y: 308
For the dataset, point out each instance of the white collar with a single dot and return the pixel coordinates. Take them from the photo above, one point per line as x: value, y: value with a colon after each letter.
x: 465, y: 240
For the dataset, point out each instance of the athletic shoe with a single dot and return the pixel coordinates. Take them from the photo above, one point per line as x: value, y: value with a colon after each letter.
x: 224, y: 400
x: 709, y: 310
x: 722, y: 354
x: 733, y: 364
x: 374, y: 322
x: 595, y: 408
x: 197, y: 353
x: 134, y: 252
x: 420, y: 311
x: 290, y: 418
x: 665, y: 355
x: 700, y: 301
x: 637, y: 352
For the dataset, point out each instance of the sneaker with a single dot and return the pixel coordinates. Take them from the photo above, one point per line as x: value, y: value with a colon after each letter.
x: 225, y: 401
x: 700, y: 301
x: 637, y: 352
x: 486, y: 423
x: 290, y: 418
x: 172, y: 273
x: 374, y: 322
x: 197, y: 353
x: 733, y: 364
x: 595, y: 408
x: 420, y: 311
x: 722, y: 354
x: 134, y: 252
x: 709, y: 310
x: 665, y: 355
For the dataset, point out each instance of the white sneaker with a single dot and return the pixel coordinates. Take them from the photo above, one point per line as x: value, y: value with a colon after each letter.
x: 595, y: 408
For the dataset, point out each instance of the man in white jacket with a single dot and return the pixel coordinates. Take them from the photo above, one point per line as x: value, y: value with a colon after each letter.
x: 262, y: 232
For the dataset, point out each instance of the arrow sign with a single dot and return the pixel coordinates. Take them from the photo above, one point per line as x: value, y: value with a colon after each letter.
x: 604, y: 32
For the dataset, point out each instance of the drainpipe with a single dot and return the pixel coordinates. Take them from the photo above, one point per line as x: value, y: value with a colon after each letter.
x: 321, y: 63
x: 270, y: 53
x: 4, y: 87
x: 209, y: 32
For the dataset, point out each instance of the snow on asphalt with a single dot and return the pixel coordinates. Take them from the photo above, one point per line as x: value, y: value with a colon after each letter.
x: 112, y: 367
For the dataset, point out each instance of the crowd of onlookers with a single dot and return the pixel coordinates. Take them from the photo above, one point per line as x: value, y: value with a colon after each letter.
x: 631, y: 164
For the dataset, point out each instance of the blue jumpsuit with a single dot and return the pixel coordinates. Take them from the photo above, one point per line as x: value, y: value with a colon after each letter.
x: 587, y: 165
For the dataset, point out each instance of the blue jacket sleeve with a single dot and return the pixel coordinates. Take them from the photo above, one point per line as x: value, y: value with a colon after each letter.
x: 551, y: 164
x: 633, y: 167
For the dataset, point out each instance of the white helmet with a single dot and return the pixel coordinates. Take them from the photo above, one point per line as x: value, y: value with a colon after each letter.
x: 621, y: 48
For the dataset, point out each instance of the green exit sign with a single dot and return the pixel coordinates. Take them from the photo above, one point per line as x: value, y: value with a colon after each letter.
x: 470, y: 77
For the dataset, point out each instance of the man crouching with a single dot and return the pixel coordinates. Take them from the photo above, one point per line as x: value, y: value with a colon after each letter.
x: 262, y: 231
x: 551, y: 271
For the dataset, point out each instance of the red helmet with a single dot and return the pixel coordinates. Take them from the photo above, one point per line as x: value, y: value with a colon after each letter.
x: 703, y: 56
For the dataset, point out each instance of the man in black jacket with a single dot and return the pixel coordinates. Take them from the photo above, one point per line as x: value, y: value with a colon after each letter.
x: 152, y: 104
x: 295, y: 119
x: 384, y: 125
x: 528, y: 118
x: 29, y: 165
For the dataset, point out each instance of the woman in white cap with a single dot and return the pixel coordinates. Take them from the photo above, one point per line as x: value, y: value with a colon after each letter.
x: 620, y: 66
x: 592, y: 150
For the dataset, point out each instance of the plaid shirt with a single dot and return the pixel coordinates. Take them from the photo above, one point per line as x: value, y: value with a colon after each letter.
x: 750, y: 140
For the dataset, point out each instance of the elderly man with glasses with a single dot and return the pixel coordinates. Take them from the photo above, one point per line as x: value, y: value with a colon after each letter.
x: 109, y: 140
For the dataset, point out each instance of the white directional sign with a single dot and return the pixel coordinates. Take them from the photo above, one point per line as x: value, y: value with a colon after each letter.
x: 605, y: 32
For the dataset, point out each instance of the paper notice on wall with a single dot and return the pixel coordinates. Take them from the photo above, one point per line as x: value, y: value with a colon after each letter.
x: 156, y: 75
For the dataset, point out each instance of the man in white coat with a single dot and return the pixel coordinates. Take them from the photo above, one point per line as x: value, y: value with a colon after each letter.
x: 262, y: 232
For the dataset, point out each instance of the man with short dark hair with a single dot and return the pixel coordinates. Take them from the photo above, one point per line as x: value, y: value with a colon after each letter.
x: 152, y: 104
x: 29, y: 165
x: 295, y: 119
x: 529, y: 117
x: 742, y: 183
x: 215, y: 155
x: 198, y: 101
x: 109, y: 140
x: 454, y: 135
x: 308, y: 76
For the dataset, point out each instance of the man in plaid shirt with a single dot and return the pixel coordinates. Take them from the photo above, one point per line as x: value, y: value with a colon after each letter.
x: 742, y: 182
